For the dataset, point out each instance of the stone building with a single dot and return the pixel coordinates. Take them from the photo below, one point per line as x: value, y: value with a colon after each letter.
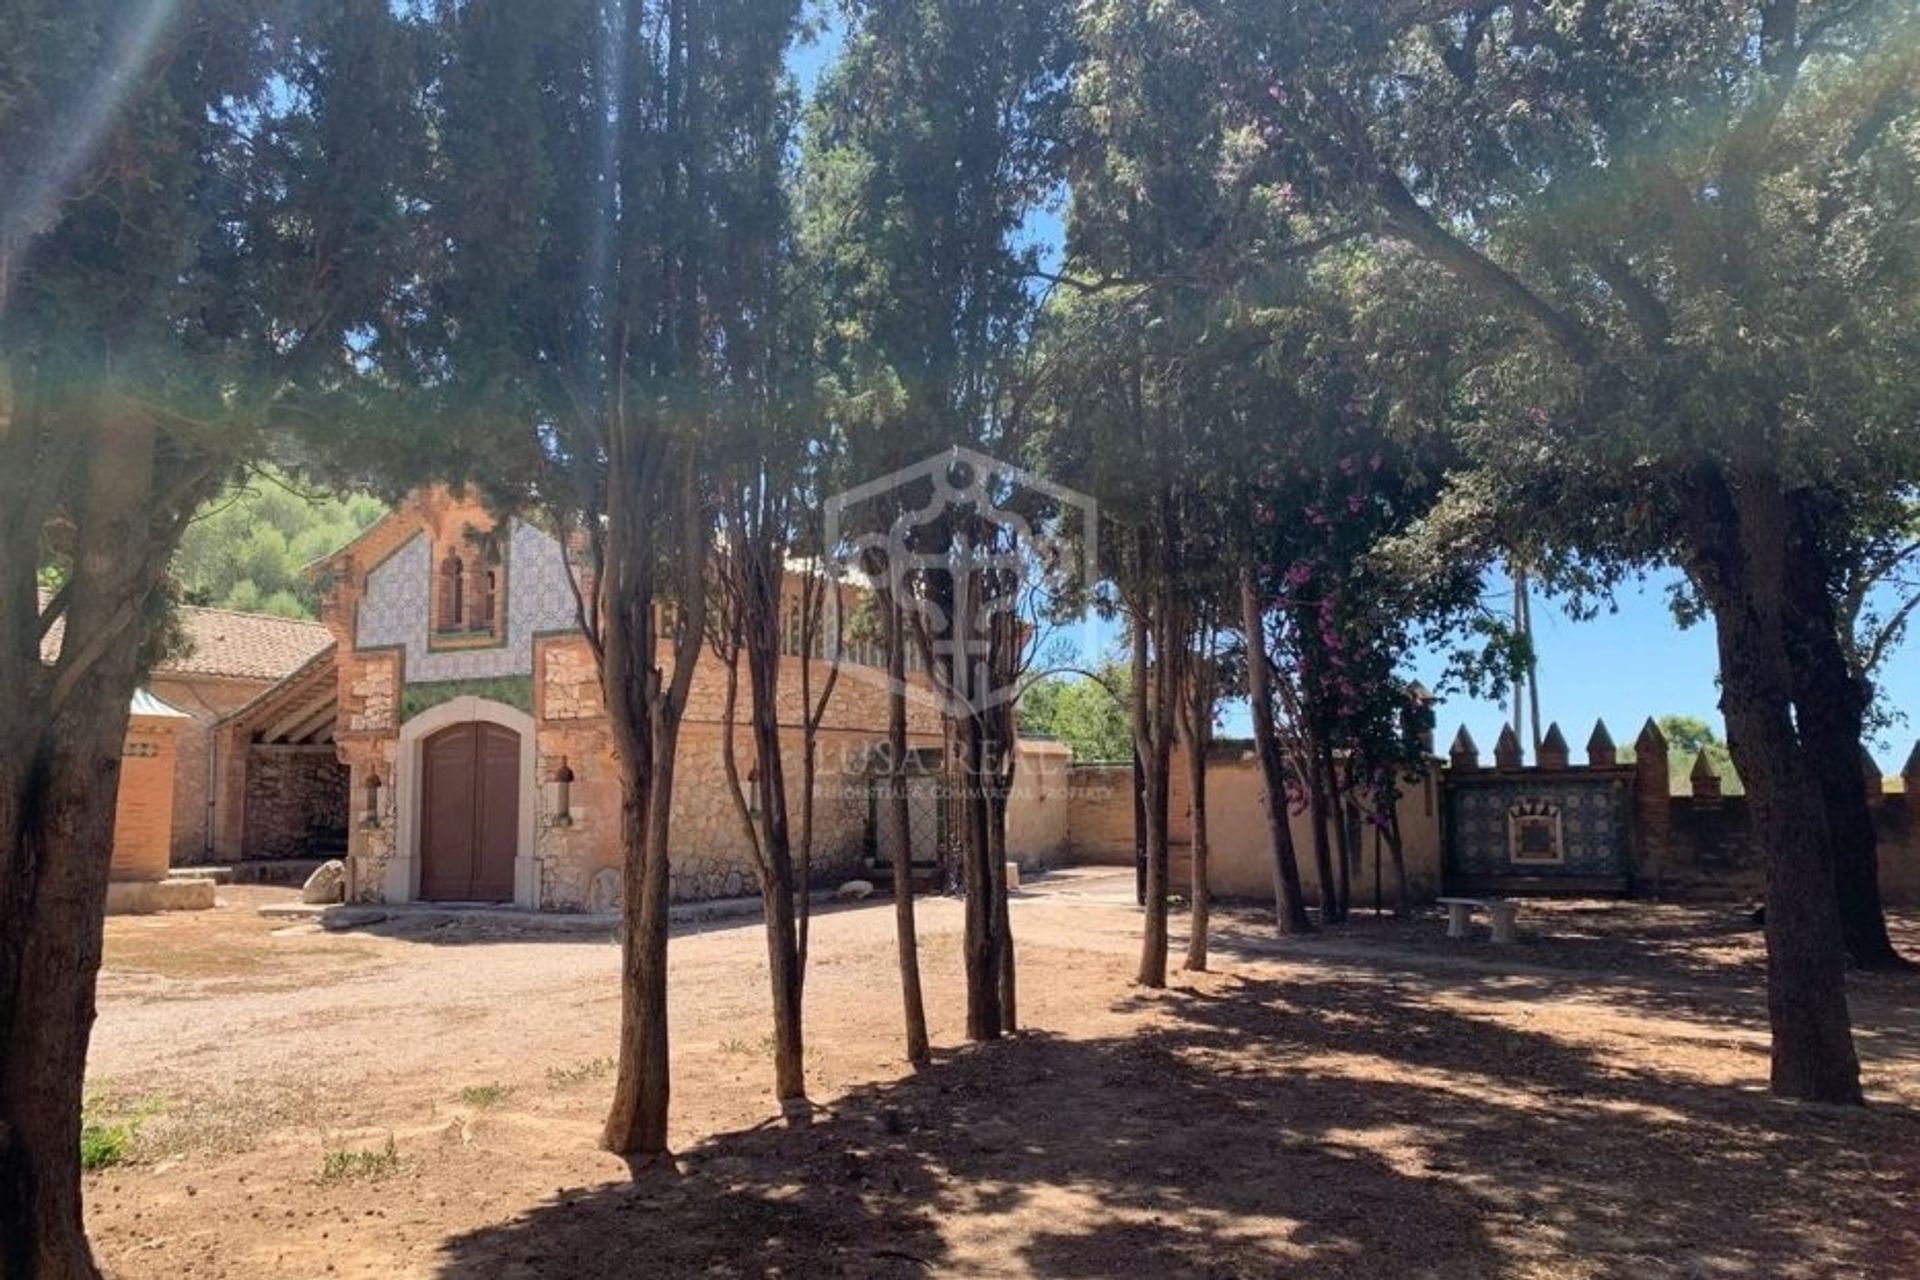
x: 225, y: 666
x: 227, y: 662
x: 468, y: 714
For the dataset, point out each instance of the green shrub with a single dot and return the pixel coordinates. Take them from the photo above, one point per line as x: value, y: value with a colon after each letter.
x: 106, y: 1142
x: 486, y: 1095
x: 360, y: 1166
x: 580, y: 1073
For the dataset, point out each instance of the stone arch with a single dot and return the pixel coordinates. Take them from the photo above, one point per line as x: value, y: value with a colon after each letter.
x: 403, y: 872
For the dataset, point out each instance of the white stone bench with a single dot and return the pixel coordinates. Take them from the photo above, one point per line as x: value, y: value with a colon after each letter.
x: 1459, y: 910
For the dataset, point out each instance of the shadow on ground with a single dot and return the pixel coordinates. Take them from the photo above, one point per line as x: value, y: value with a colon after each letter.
x: 1347, y: 1127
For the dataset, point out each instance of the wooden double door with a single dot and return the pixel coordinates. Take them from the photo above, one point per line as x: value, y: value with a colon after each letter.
x: 469, y: 813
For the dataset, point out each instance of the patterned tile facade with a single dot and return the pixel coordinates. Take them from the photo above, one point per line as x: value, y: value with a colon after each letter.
x: 1593, y: 825
x: 394, y: 611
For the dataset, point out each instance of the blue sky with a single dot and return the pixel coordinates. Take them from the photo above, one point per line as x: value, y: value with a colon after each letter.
x: 1623, y: 666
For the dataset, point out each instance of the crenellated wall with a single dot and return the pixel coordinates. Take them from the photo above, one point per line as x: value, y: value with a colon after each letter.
x: 1695, y: 844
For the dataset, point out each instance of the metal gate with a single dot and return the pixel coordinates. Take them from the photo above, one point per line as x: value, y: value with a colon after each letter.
x: 929, y: 833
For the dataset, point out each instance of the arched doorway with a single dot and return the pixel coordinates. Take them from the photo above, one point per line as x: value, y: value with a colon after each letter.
x: 469, y: 813
x: 504, y: 803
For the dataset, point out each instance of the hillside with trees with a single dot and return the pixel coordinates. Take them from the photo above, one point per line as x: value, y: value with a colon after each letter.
x: 249, y: 548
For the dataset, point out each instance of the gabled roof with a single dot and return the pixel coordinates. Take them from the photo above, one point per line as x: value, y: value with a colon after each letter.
x: 222, y: 642
x: 253, y: 645
x: 302, y: 708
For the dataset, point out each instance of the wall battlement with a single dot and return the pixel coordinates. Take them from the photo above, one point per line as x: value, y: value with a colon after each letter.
x: 1624, y: 827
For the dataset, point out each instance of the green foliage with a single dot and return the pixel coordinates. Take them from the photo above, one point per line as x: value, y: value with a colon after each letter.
x: 360, y: 1166
x: 249, y: 547
x: 483, y: 1096
x: 108, y: 1139
x: 1680, y: 239
x: 923, y: 158
x: 579, y: 1073
x: 514, y: 691
x: 1687, y: 737
x: 104, y: 1145
x: 1088, y: 715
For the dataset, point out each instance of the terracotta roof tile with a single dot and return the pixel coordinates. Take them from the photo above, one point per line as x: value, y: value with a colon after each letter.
x: 221, y: 642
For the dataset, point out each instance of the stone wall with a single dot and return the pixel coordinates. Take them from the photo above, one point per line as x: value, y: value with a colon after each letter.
x: 297, y: 803
x: 711, y: 854
x: 1240, y: 848
x: 1709, y: 853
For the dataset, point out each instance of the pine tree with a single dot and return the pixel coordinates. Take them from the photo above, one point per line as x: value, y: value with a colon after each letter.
x: 198, y: 240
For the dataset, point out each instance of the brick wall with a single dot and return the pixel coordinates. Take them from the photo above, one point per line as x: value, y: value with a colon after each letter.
x: 143, y: 811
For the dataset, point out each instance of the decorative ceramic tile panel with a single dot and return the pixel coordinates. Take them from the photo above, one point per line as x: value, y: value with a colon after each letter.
x: 394, y: 609
x: 1592, y: 815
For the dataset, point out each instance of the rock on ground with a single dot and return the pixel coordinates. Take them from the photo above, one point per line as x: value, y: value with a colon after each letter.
x: 328, y: 883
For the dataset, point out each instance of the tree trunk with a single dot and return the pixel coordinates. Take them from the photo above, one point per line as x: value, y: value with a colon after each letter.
x: 981, y: 944
x: 58, y: 812
x: 1403, y: 892
x: 644, y: 710
x: 761, y: 599
x: 64, y: 732
x: 1150, y: 733
x: 1340, y: 811
x: 1309, y: 764
x: 1199, y: 720
x: 906, y: 935
x: 1139, y: 827
x: 1830, y: 708
x: 1003, y: 915
x: 1289, y: 901
x: 637, y: 1122
x: 1740, y: 540
x: 783, y: 966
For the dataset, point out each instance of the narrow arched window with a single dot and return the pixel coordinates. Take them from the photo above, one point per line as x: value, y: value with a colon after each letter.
x: 478, y: 613
x: 453, y: 585
x: 485, y: 597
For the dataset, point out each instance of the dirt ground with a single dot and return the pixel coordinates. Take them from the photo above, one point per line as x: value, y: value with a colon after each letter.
x: 1374, y: 1101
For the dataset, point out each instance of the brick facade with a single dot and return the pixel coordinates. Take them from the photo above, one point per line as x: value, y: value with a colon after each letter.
x: 144, y: 806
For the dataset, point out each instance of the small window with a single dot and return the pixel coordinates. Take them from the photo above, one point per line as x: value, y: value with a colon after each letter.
x: 486, y: 588
x: 1534, y: 834
x: 452, y: 594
